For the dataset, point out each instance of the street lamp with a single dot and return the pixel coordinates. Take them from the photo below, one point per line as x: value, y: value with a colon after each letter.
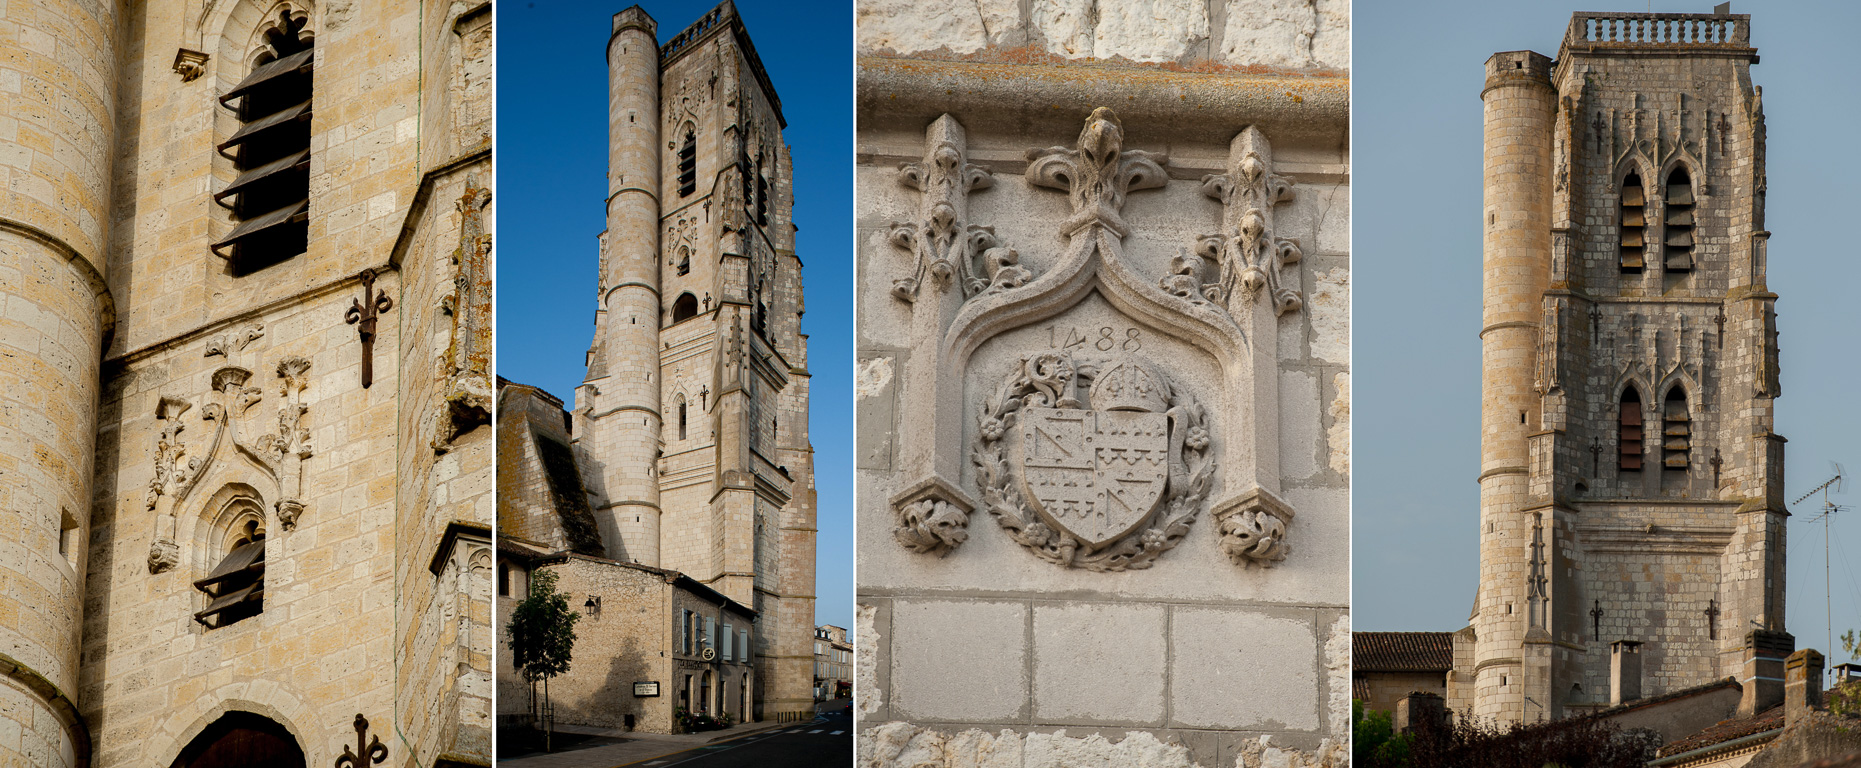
x: 593, y: 606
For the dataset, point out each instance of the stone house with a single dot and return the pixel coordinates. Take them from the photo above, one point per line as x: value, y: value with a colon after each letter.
x: 650, y: 642
x: 1387, y: 666
x: 833, y: 663
x: 245, y: 290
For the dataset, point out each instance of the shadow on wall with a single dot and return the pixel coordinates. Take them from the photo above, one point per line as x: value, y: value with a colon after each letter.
x: 611, y: 703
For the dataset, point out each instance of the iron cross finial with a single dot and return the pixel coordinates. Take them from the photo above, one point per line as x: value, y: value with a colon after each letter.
x: 362, y: 314
x: 1596, y: 618
x: 373, y: 752
x: 1712, y: 619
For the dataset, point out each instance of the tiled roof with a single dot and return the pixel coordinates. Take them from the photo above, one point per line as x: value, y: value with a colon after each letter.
x: 1402, y: 651
x: 1727, y: 730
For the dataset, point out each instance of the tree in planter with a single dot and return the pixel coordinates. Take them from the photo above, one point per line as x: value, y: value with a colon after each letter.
x: 542, y: 637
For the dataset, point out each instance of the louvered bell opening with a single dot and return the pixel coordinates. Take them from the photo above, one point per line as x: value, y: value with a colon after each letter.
x: 236, y: 586
x: 1629, y: 436
x: 296, y: 63
x: 688, y: 166
x: 1633, y: 219
x: 1631, y: 192
x: 1681, y: 217
x: 271, y: 150
x: 1679, y: 194
x: 1682, y: 238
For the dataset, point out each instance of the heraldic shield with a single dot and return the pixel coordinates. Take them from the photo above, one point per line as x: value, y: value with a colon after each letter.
x: 1098, y: 474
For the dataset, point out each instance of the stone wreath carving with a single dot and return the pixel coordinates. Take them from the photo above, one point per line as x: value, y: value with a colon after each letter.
x: 1107, y: 484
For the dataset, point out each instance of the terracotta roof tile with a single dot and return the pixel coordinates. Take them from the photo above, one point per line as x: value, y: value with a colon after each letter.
x: 1727, y: 730
x: 1402, y: 651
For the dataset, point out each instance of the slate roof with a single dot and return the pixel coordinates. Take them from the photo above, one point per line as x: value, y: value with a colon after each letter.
x: 1402, y: 651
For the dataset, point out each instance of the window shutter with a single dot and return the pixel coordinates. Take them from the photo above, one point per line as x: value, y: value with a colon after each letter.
x: 743, y: 645
x: 684, y: 632
x: 729, y: 642
x: 710, y: 633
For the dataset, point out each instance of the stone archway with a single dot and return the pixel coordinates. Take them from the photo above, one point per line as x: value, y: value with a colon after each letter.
x: 242, y: 740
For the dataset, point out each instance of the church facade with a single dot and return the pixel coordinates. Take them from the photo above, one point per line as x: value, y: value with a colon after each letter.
x: 1631, y: 484
x: 244, y: 362
x: 689, y: 435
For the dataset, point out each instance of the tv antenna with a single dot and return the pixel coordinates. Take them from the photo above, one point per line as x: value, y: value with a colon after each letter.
x: 1829, y: 508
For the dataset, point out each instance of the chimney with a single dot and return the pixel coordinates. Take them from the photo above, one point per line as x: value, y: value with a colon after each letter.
x: 1624, y: 671
x: 1762, y: 671
x: 1802, y: 686
x: 1417, y: 708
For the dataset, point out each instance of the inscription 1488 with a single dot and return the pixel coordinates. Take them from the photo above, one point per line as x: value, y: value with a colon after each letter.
x: 1106, y: 339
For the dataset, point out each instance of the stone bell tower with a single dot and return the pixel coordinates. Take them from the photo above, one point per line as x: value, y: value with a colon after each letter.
x: 1630, y: 480
x: 693, y: 420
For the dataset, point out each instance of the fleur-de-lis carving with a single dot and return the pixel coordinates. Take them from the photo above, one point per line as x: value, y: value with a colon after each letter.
x: 1097, y: 174
x: 1248, y: 250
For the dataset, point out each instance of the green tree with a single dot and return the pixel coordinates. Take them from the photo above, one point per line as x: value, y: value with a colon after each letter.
x: 542, y: 636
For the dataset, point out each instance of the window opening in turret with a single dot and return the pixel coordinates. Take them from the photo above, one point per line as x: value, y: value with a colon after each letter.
x: 1676, y: 431
x: 270, y: 198
x: 685, y: 307
x: 1634, y: 224
x: 681, y: 418
x: 1677, y: 239
x: 1628, y: 431
x: 688, y: 164
x: 684, y: 260
x: 236, y: 586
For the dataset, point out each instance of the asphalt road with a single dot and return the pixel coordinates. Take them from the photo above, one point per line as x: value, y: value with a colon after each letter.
x: 827, y: 742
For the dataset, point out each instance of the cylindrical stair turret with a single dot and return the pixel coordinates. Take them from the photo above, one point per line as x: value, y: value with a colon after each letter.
x: 1520, y: 109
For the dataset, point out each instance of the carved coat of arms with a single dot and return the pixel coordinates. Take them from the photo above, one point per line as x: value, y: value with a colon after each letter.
x: 1107, y: 483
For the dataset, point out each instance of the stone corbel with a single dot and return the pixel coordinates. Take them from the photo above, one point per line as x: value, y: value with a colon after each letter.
x: 1248, y: 248
x: 933, y: 517
x: 1098, y: 173
x: 190, y: 64
x: 1252, y: 526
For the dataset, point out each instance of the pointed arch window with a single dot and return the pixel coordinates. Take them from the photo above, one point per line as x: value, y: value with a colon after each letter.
x: 1628, y: 431
x: 1676, y: 430
x: 1634, y: 223
x: 684, y: 260
x: 688, y: 164
x: 236, y: 586
x: 681, y: 417
x: 270, y: 198
x: 1677, y: 238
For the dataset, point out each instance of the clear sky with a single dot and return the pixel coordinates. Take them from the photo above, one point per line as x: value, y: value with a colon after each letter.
x: 552, y: 170
x: 1416, y: 198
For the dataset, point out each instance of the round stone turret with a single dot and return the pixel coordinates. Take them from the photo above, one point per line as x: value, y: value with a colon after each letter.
x: 58, y: 75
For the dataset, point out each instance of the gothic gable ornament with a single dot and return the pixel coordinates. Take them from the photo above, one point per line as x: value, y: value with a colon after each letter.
x: 1094, y: 458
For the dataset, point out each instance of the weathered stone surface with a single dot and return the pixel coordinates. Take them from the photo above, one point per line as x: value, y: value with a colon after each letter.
x: 1122, y: 645
x: 1226, y: 652
x: 988, y: 643
x: 903, y: 744
x: 1275, y: 33
x: 904, y: 26
x: 866, y: 660
x: 1154, y: 31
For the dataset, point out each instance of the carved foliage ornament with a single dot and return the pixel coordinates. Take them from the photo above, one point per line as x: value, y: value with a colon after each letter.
x: 1105, y: 484
x: 941, y: 240
x: 1249, y: 252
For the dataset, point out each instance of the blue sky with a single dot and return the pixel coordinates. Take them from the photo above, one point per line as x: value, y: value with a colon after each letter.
x: 1416, y: 143
x: 552, y: 166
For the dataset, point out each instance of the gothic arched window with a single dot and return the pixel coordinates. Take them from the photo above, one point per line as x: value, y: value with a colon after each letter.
x: 236, y: 586
x: 1628, y: 431
x: 1676, y: 430
x: 1677, y: 239
x: 688, y: 163
x: 685, y: 307
x: 1634, y: 223
x: 684, y: 260
x: 270, y: 199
